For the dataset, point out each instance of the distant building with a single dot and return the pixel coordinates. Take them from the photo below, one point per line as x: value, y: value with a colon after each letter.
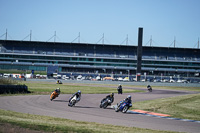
x: 97, y: 58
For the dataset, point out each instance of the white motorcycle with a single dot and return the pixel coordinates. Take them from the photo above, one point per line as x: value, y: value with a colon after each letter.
x: 73, y: 100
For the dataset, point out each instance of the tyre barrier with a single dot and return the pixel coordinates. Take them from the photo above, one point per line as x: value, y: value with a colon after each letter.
x: 11, y: 89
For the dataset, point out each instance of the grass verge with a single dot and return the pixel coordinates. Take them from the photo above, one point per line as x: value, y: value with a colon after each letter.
x: 177, y: 88
x: 185, y: 107
x: 8, y: 81
x: 47, y: 87
x: 51, y: 124
x: 183, y: 88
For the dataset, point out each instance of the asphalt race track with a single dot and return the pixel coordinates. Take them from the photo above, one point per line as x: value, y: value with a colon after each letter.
x: 88, y: 110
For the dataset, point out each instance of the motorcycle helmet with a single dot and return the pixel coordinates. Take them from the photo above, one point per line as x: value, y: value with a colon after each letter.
x: 58, y: 89
x: 111, y: 94
x: 79, y: 91
x: 129, y: 97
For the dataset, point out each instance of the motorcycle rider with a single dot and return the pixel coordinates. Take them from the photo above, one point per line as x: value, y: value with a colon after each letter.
x: 55, y: 94
x: 58, y: 82
x: 149, y: 88
x: 119, y: 89
x: 78, y: 96
x: 110, y: 98
x: 127, y: 100
x: 57, y: 91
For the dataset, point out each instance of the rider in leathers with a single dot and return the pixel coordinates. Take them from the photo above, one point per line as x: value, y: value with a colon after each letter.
x: 57, y: 91
x: 119, y: 89
x: 78, y: 96
x: 110, y: 98
x: 127, y: 100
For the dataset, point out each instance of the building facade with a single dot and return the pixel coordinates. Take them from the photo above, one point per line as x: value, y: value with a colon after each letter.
x: 97, y: 58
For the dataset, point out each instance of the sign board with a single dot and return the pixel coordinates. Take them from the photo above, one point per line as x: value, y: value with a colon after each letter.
x: 32, y: 72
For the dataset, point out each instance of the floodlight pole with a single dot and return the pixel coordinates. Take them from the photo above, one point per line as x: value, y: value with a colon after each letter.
x: 127, y: 39
x: 55, y: 37
x: 174, y: 42
x: 151, y: 40
x: 103, y: 39
x: 6, y: 34
x: 30, y: 34
x: 79, y: 36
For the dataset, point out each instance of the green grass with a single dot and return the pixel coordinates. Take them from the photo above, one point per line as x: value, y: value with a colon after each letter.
x: 52, y: 124
x: 7, y: 81
x: 185, y: 107
x: 177, y: 88
x: 167, y: 87
x: 66, y: 88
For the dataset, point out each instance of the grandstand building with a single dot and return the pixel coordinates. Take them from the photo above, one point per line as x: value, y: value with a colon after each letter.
x: 97, y: 58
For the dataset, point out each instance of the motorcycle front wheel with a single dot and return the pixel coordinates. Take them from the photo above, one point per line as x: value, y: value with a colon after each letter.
x: 125, y: 109
x: 72, y: 103
x: 52, y: 98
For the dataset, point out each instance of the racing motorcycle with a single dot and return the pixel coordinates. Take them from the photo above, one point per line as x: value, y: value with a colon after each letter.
x: 123, y: 106
x: 58, y: 82
x: 73, y: 100
x: 104, y: 103
x: 149, y: 88
x: 54, y: 94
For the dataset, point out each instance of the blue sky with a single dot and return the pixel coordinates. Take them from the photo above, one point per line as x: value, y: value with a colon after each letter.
x: 161, y: 19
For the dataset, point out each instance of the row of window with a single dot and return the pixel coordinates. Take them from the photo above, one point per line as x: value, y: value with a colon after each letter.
x: 21, y: 67
x: 98, y: 61
x: 53, y: 58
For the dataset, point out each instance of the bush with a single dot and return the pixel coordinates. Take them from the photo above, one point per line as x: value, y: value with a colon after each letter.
x: 8, y: 81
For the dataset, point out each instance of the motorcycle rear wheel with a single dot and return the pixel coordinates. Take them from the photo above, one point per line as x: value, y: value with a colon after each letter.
x: 117, y: 109
x: 100, y: 105
x: 105, y: 106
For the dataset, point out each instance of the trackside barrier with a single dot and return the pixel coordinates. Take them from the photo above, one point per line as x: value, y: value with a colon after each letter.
x: 13, y: 89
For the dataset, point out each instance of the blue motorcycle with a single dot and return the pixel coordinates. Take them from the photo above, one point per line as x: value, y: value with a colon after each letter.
x: 123, y: 106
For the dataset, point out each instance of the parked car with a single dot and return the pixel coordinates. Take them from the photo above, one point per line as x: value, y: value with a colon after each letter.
x: 120, y: 79
x: 126, y: 79
x: 98, y: 78
x: 108, y: 78
x: 165, y: 80
x: 171, y: 80
x: 156, y: 80
x: 79, y: 77
x: 5, y: 75
x: 149, y: 79
x: 182, y: 81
